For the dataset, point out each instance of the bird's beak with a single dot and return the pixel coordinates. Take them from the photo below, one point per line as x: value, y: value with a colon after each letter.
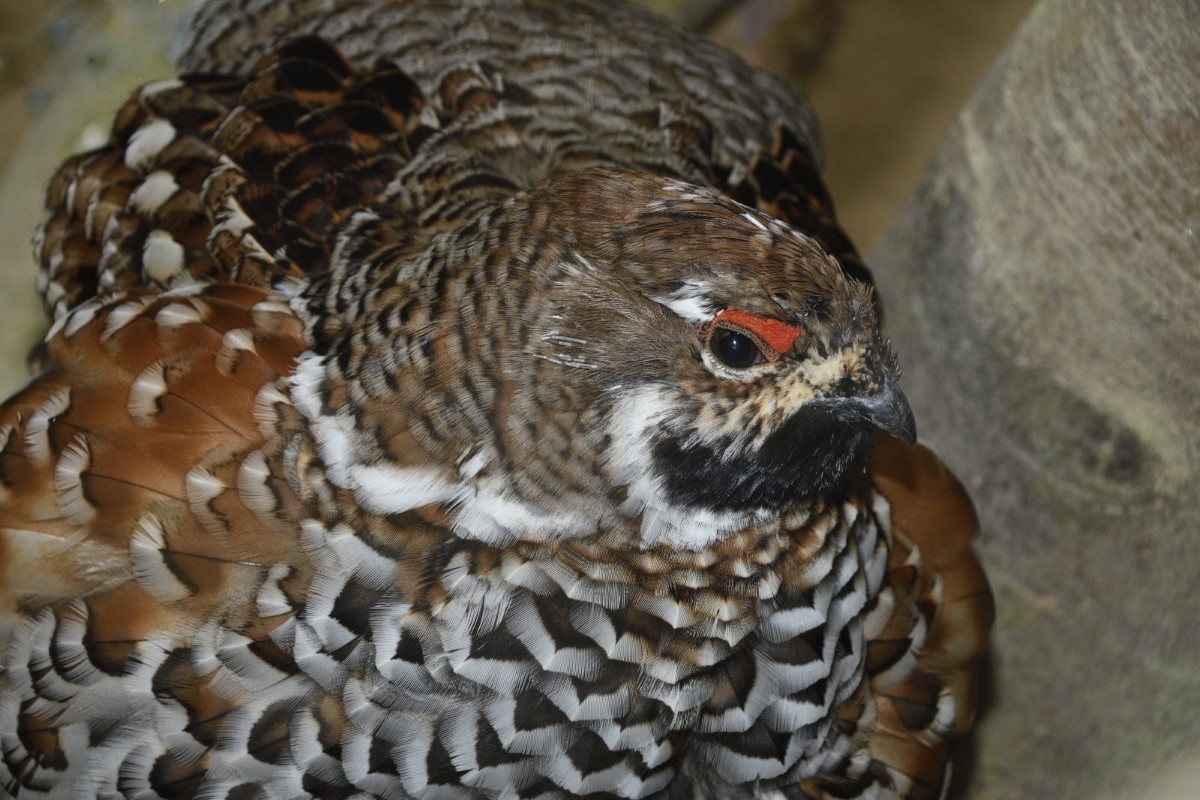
x: 887, y: 411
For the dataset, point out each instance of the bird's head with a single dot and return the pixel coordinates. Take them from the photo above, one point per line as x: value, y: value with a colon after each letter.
x: 635, y: 350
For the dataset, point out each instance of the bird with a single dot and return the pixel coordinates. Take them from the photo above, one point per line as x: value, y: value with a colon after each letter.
x: 470, y: 399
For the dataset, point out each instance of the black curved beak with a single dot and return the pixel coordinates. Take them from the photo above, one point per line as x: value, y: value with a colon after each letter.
x: 887, y: 411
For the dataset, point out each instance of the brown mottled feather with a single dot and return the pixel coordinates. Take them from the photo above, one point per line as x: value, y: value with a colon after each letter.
x: 264, y: 171
x: 134, y: 458
x: 331, y: 488
x: 934, y: 518
x: 939, y: 578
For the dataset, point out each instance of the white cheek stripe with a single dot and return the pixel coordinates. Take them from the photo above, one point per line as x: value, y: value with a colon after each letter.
x: 636, y: 415
x: 482, y: 505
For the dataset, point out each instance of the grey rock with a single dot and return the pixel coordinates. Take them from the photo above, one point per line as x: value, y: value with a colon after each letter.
x: 1044, y: 287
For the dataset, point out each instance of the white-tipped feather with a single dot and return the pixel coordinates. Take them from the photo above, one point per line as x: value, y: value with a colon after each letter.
x: 271, y: 600
x: 162, y: 257
x: 155, y: 87
x: 269, y: 397
x: 78, y: 318
x: 386, y: 489
x: 157, y: 188
x: 146, y: 393
x: 147, y: 142
x: 37, y: 438
x: 239, y: 339
x: 147, y: 548
x: 202, y: 486
x: 178, y: 314
x: 253, y: 489
x: 73, y: 462
x: 244, y: 673
x: 329, y: 673
x: 124, y: 314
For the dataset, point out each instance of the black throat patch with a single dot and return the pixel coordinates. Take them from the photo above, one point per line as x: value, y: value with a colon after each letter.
x: 812, y: 453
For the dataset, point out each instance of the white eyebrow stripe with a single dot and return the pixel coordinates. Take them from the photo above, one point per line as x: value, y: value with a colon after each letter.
x: 688, y: 308
x: 690, y: 302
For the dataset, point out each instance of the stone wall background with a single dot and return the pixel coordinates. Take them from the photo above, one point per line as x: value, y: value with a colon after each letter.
x: 1044, y: 282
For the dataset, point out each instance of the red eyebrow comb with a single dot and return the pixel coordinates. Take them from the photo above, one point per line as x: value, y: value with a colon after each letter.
x: 779, y: 336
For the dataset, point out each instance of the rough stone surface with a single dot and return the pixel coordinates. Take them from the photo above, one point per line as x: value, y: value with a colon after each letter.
x: 1045, y: 290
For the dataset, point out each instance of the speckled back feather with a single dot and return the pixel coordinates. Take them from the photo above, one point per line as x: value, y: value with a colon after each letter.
x: 248, y: 175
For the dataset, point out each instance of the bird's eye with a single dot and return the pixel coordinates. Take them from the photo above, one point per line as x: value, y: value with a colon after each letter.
x: 734, y: 349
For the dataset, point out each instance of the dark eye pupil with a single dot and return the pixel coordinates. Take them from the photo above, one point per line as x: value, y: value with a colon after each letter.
x: 734, y: 349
